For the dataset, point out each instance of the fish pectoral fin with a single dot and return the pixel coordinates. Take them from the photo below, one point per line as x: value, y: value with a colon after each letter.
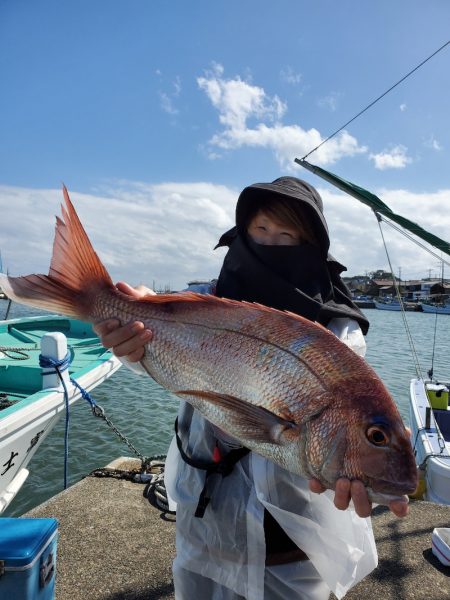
x: 254, y: 422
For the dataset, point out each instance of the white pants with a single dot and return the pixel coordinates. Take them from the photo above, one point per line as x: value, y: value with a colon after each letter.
x: 293, y: 581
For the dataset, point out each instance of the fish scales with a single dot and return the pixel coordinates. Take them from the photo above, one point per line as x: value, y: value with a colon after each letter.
x: 283, y: 386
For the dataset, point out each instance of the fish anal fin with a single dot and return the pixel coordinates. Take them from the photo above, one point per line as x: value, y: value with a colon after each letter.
x: 255, y: 422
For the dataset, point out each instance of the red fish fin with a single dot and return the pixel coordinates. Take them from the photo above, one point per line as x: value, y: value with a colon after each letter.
x: 257, y: 423
x: 75, y: 273
x: 41, y: 292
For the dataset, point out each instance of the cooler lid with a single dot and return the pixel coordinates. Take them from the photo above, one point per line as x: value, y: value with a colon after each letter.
x: 22, y: 539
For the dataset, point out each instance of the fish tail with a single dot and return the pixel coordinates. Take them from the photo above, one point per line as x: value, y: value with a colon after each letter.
x: 76, y: 273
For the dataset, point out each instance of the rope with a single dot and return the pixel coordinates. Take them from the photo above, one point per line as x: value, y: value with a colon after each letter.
x: 412, y: 239
x: 21, y: 352
x: 430, y: 372
x: 5, y: 402
x: 423, y: 464
x: 376, y: 100
x: 152, y: 474
x: 8, y: 308
x: 59, y: 366
x: 402, y: 308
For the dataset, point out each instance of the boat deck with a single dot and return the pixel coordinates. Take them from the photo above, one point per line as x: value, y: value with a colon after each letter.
x: 22, y: 366
x: 114, y: 544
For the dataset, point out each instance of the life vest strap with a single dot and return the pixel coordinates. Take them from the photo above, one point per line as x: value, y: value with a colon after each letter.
x: 223, y: 467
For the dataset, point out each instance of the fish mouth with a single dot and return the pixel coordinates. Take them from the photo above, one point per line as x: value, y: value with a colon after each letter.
x: 385, y: 498
x: 384, y: 487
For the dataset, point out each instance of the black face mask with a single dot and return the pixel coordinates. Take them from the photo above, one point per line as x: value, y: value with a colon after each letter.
x: 302, y: 265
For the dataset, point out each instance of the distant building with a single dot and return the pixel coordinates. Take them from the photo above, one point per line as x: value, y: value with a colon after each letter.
x: 381, y: 287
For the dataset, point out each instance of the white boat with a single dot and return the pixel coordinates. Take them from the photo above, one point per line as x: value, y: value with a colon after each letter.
x: 439, y: 308
x: 32, y: 399
x: 393, y: 304
x: 430, y: 434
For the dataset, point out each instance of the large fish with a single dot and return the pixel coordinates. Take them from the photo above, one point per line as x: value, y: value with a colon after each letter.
x: 283, y: 386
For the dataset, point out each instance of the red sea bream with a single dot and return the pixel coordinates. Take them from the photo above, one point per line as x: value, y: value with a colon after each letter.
x: 283, y: 386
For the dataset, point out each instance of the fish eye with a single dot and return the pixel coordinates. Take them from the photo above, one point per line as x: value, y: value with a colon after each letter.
x: 377, y: 436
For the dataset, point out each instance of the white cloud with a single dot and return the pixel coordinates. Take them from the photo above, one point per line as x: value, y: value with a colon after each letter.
x: 288, y: 75
x: 144, y: 233
x: 166, y: 103
x: 167, y: 99
x: 394, y: 158
x: 166, y: 233
x: 434, y: 144
x: 403, y: 107
x: 238, y: 102
x: 330, y: 102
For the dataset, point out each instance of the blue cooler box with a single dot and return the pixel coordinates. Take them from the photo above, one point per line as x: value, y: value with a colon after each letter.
x: 27, y: 558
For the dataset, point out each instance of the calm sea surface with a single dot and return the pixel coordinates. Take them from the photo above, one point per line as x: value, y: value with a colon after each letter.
x: 144, y: 412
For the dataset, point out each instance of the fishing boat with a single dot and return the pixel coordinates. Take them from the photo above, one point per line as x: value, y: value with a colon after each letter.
x: 395, y: 304
x: 33, y: 398
x: 430, y: 430
x: 441, y: 308
x: 387, y: 304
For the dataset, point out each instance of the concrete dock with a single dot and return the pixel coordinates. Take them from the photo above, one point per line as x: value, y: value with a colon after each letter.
x: 114, y: 544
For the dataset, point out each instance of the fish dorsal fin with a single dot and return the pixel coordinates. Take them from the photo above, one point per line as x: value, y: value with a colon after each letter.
x: 254, y: 422
x: 74, y: 262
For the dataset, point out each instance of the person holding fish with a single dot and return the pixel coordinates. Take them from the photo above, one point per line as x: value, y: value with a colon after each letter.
x: 281, y: 422
x: 246, y: 527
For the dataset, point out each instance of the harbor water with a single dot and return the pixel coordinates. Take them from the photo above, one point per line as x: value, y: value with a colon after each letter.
x: 145, y: 413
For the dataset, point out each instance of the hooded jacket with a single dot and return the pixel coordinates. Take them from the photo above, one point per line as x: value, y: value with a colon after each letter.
x: 303, y: 279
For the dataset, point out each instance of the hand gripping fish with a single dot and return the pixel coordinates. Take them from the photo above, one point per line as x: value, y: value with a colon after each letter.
x: 285, y: 387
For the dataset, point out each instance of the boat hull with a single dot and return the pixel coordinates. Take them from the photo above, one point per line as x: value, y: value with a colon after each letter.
x: 387, y: 305
x: 432, y: 451
x: 433, y: 308
x: 27, y: 422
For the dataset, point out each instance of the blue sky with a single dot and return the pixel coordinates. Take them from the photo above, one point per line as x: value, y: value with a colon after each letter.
x: 155, y: 115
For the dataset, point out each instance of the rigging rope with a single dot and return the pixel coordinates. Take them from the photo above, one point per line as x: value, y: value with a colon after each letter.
x: 402, y: 308
x: 376, y: 100
x: 409, y: 237
x: 430, y: 372
x: 412, y: 239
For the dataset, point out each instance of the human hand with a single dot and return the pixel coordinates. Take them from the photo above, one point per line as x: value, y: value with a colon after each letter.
x: 127, y: 340
x: 355, y: 490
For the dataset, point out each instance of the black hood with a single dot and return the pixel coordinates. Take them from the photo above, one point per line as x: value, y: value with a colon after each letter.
x: 285, y: 187
x: 304, y: 279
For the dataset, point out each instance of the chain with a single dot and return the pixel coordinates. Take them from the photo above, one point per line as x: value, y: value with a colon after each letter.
x: 98, y: 411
